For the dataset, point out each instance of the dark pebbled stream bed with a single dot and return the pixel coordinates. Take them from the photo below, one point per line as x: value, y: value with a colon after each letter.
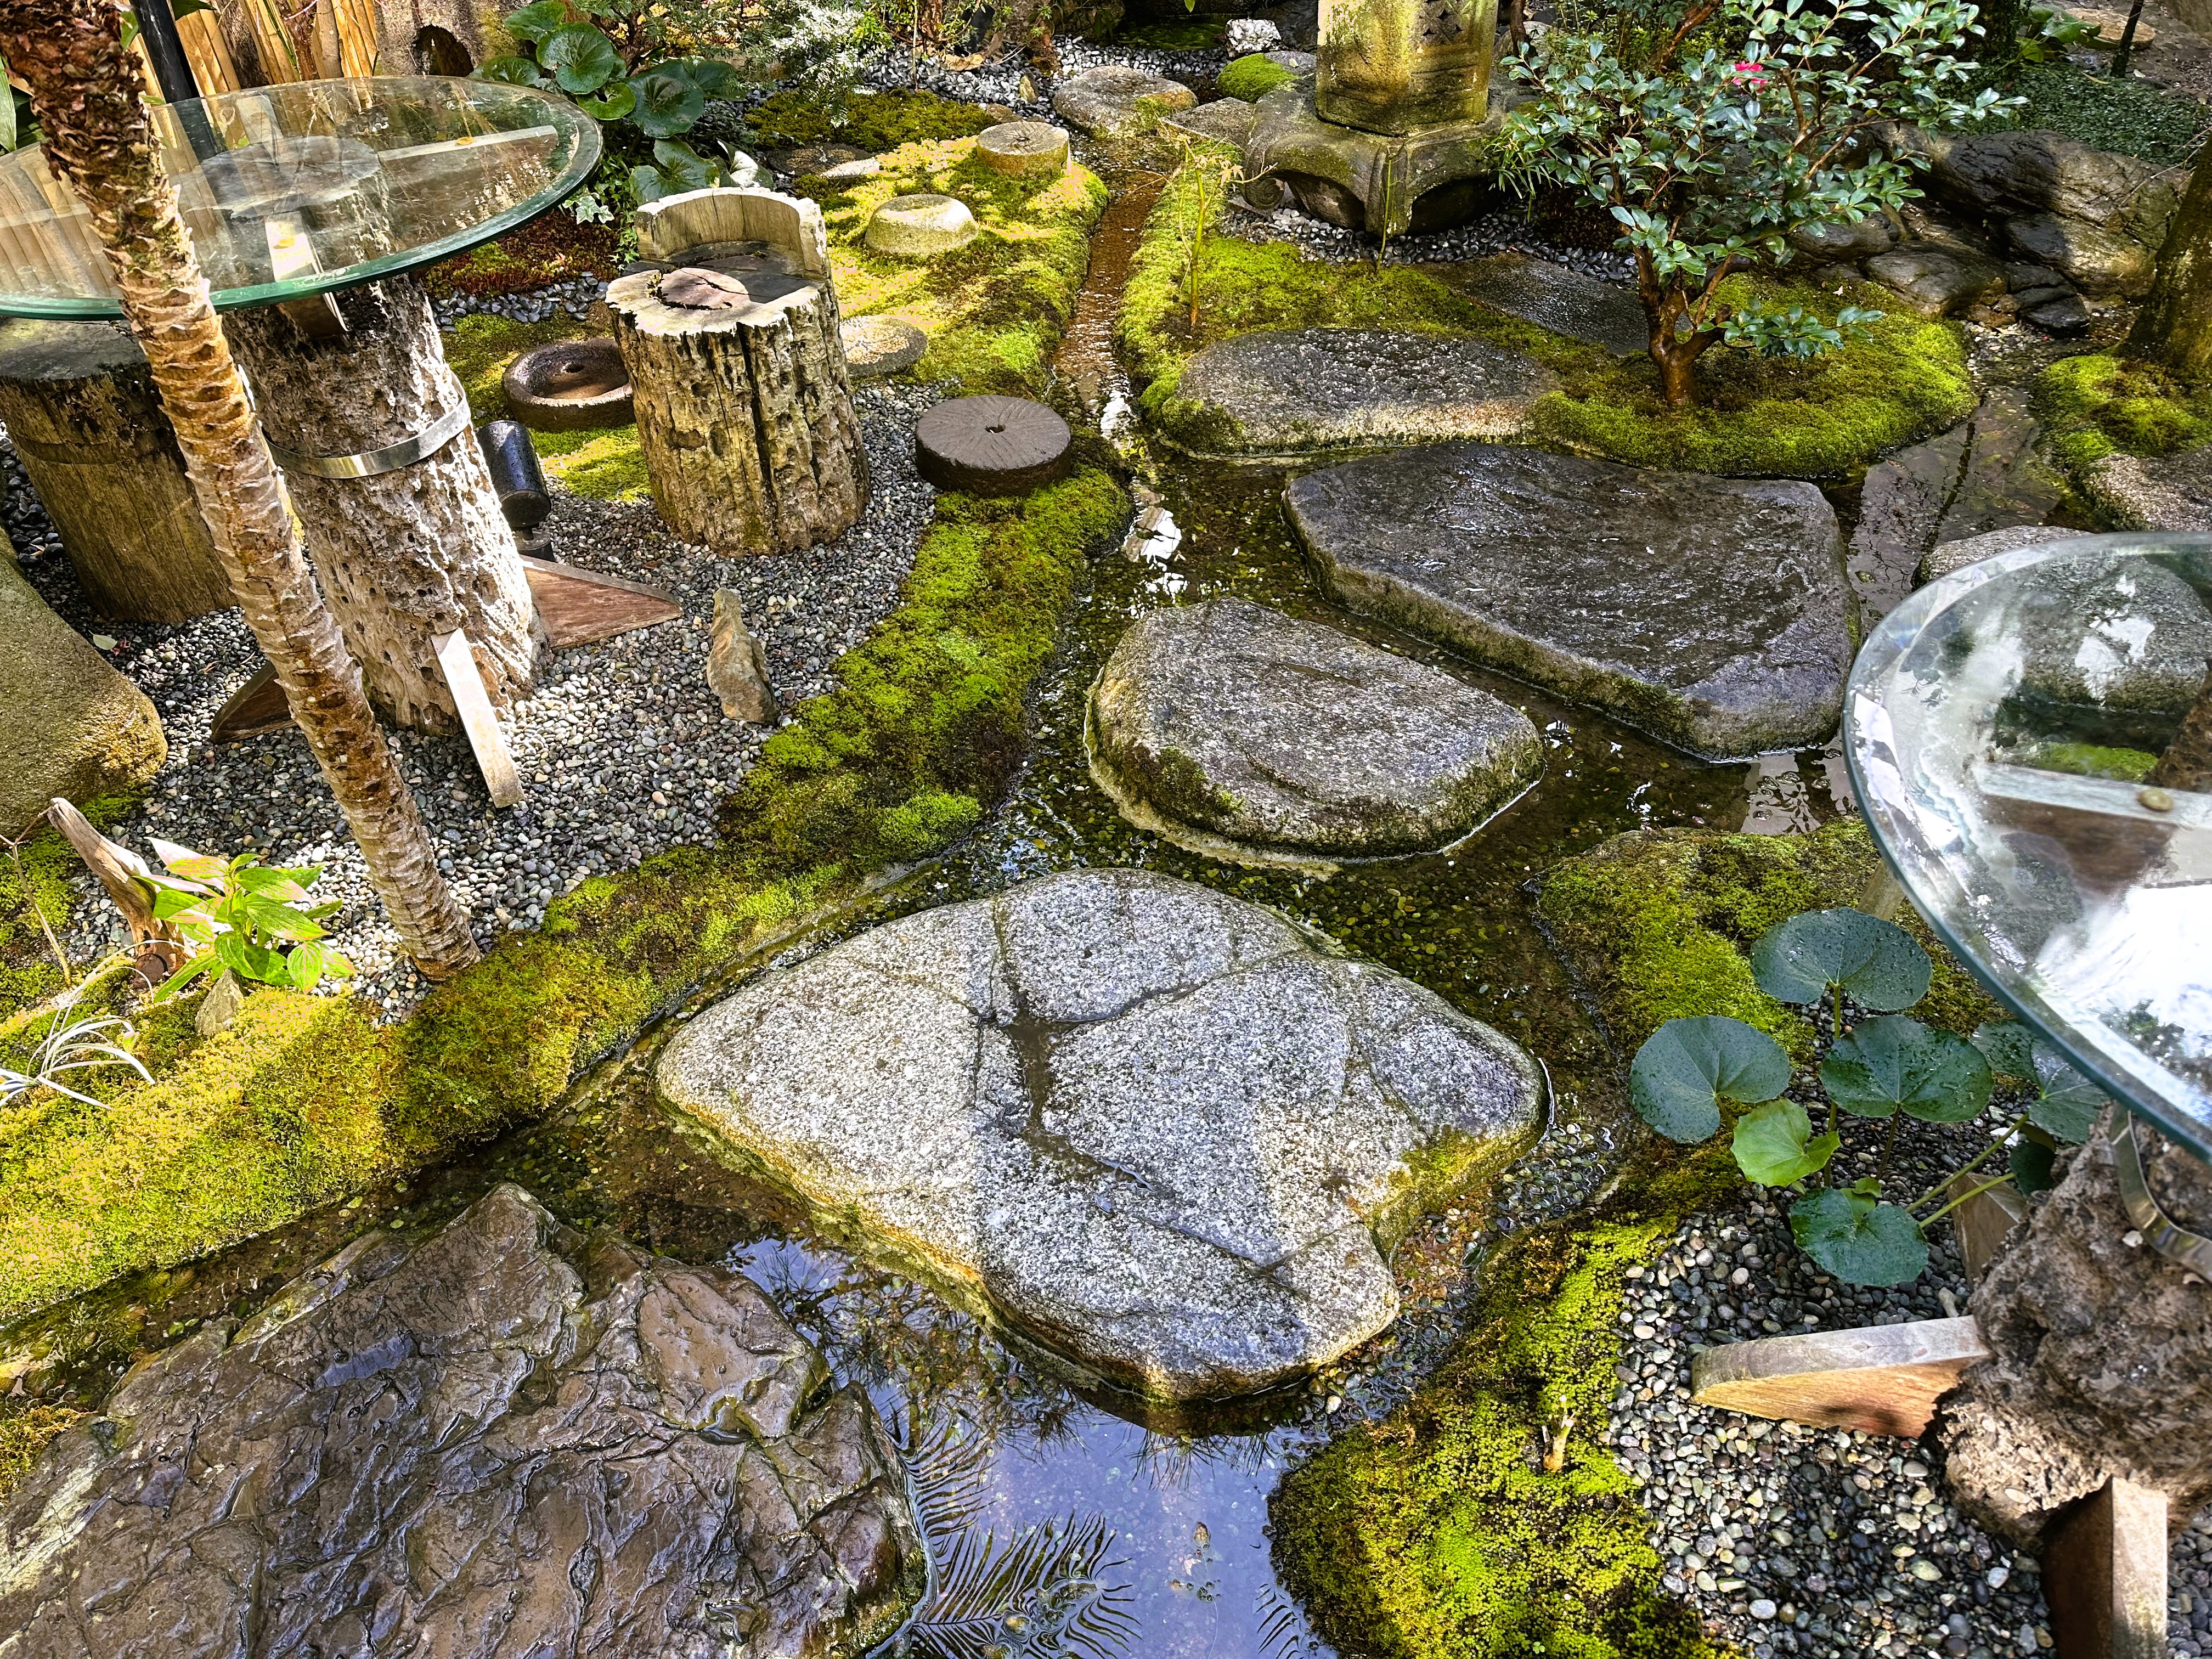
x: 1113, y: 1538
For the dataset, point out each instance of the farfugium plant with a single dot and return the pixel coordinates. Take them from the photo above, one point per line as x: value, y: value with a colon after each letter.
x: 1712, y: 131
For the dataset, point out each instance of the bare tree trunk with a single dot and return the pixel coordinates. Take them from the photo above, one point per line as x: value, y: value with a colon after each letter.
x: 1675, y: 352
x: 88, y: 94
x: 2175, y: 327
x: 409, y: 554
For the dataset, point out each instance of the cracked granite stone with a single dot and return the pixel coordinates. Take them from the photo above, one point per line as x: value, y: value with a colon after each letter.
x: 1255, y: 725
x: 507, y: 1439
x: 1152, y: 1128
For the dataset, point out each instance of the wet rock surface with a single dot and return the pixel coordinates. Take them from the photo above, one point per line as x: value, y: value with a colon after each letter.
x: 1292, y: 391
x: 1709, y: 612
x: 2154, y: 492
x: 1249, y: 723
x: 1557, y: 298
x: 506, y: 1438
x: 1946, y: 557
x: 1151, y: 1127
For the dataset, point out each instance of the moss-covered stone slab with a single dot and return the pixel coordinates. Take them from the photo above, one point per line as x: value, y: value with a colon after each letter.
x: 1153, y: 1129
x: 1254, y: 726
x: 74, y: 727
x: 1557, y: 298
x: 1711, y: 612
x: 505, y: 1437
x: 1114, y: 102
x: 2153, y: 492
x: 1284, y: 392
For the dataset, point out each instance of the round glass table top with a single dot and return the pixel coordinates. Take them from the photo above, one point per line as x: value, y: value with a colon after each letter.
x: 292, y: 190
x: 2003, y: 727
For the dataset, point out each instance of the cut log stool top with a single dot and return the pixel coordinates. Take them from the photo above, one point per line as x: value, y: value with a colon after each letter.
x: 570, y: 385
x: 992, y: 445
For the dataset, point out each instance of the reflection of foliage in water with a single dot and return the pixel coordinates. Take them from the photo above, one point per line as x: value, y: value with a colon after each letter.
x: 1044, y: 1593
x: 1283, y: 1631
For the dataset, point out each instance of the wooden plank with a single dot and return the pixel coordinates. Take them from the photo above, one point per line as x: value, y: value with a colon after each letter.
x: 458, y: 664
x: 1984, y: 1220
x: 582, y: 607
x: 1880, y: 1379
x: 207, y: 52
x: 256, y: 707
x: 2104, y: 1574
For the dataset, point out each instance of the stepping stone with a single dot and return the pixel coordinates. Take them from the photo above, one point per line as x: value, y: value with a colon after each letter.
x: 1225, y: 121
x: 73, y: 726
x: 1557, y: 298
x: 876, y: 346
x: 1948, y: 557
x: 1153, y: 1130
x: 2154, y: 492
x: 925, y: 227
x: 1242, y: 721
x: 1937, y: 282
x: 1024, y: 149
x: 1708, y: 612
x: 508, y: 1437
x: 570, y: 385
x: 1113, y: 101
x: 1285, y: 392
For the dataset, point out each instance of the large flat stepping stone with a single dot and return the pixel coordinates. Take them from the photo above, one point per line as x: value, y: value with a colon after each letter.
x: 1254, y: 726
x: 1557, y: 298
x: 1150, y: 1127
x: 1708, y: 612
x: 507, y: 1438
x: 1286, y: 393
x: 1116, y: 101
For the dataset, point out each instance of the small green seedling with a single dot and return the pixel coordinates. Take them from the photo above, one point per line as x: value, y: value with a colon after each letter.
x: 255, y: 921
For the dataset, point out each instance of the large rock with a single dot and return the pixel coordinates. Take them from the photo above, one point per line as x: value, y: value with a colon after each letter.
x: 1241, y: 721
x: 1295, y: 392
x: 1946, y: 557
x: 2008, y: 175
x: 1709, y: 612
x: 2097, y: 261
x: 1558, y: 298
x: 507, y: 1439
x: 2123, y: 650
x: 1937, y: 282
x: 1115, y: 102
x: 1154, y: 1128
x: 72, y: 726
x: 2153, y: 492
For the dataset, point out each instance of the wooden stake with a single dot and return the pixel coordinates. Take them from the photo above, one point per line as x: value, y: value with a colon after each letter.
x: 457, y: 661
x: 2103, y: 1573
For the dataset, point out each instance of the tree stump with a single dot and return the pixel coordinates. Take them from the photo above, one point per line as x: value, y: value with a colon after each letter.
x: 407, y: 554
x: 79, y: 404
x: 2101, y: 1355
x: 745, y: 411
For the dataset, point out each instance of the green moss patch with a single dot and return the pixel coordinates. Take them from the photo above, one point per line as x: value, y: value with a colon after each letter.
x: 1654, y: 925
x: 874, y: 121
x: 305, y: 1099
x: 1438, y: 1533
x: 33, y: 890
x: 1761, y: 417
x: 2096, y: 405
x: 25, y: 1431
x: 994, y: 310
x: 1252, y: 77
x: 604, y: 463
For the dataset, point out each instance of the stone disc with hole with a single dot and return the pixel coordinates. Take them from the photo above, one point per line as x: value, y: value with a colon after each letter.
x: 570, y: 385
x: 1023, y: 149
x: 992, y: 445
x: 876, y: 346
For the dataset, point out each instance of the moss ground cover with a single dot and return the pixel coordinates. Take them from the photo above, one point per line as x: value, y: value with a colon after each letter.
x: 2131, y: 117
x: 1439, y: 1535
x: 994, y: 310
x: 2098, y: 404
x: 874, y: 121
x: 1252, y: 76
x: 605, y: 464
x: 1761, y: 416
x: 305, y: 1099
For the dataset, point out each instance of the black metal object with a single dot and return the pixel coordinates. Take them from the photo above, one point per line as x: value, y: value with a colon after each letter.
x: 515, y: 474
x: 172, y: 71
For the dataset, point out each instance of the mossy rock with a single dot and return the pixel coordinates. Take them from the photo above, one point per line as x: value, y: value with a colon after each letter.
x: 1759, y: 416
x: 1252, y: 77
x: 306, y: 1099
x: 874, y: 121
x: 1437, y: 1534
x: 2098, y: 404
x: 1654, y: 925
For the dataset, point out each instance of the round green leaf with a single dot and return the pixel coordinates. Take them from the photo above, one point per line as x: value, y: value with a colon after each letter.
x: 580, y: 59
x: 533, y: 22
x: 648, y: 184
x: 2070, y: 1104
x: 514, y: 71
x: 1687, y: 1067
x: 684, y: 166
x: 1775, y: 1143
x: 713, y: 77
x: 668, y: 103
x: 1894, y: 1062
x: 2009, y: 1047
x: 618, y: 100
x: 1875, y: 961
x: 1862, y: 1241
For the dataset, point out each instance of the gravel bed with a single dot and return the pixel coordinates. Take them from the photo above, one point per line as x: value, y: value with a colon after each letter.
x: 622, y: 750
x: 1790, y: 1540
x: 1486, y: 234
x: 1012, y: 80
x: 535, y: 306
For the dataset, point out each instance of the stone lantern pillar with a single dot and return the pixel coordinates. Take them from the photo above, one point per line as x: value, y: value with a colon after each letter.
x: 1396, y: 66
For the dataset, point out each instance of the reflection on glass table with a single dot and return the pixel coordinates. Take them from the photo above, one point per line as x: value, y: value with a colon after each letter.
x: 2031, y: 741
x: 291, y: 190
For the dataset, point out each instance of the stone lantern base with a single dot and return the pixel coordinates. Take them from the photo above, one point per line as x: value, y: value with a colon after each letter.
x: 1384, y: 184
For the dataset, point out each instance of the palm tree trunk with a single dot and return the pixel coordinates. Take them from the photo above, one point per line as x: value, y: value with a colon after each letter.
x: 88, y: 97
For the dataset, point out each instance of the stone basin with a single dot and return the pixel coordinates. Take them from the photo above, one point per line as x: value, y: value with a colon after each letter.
x: 570, y: 385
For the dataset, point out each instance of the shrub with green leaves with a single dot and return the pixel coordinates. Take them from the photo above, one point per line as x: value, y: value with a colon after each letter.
x: 253, y: 919
x: 1696, y: 1079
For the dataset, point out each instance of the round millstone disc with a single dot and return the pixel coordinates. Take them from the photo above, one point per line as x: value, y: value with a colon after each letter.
x: 920, y: 226
x: 1023, y: 149
x: 991, y: 446
x: 876, y: 346
x: 570, y: 385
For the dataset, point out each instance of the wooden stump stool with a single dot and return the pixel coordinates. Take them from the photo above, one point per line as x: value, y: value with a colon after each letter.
x: 744, y: 407
x: 79, y: 404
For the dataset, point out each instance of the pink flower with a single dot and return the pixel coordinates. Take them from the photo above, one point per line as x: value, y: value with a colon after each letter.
x: 1750, y: 71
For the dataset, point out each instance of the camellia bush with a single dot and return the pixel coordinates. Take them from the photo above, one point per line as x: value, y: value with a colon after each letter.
x: 1694, y: 1079
x: 1711, y: 130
